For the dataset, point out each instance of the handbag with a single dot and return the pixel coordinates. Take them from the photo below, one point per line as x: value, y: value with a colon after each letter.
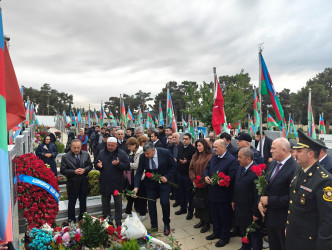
x: 199, y: 202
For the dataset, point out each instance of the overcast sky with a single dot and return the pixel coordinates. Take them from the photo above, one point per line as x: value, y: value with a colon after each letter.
x: 102, y: 48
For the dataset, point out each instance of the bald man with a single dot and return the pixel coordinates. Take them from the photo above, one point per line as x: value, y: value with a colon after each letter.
x: 221, y: 197
x: 274, y: 204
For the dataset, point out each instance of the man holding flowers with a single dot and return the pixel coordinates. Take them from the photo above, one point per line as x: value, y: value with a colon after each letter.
x: 245, y: 199
x: 158, y: 161
x: 221, y: 195
x: 274, y: 203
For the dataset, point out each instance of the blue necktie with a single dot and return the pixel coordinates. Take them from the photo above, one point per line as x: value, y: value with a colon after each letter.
x: 77, y: 161
x: 153, y: 164
x: 243, y: 171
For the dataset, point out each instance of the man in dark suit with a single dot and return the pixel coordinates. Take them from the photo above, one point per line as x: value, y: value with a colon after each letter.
x: 324, y: 159
x: 119, y: 135
x: 230, y: 148
x: 111, y: 162
x: 309, y: 221
x: 184, y: 156
x: 156, y: 161
x: 155, y: 140
x: 266, y: 147
x: 75, y: 165
x: 244, y: 140
x: 245, y: 199
x: 274, y: 204
x: 221, y: 196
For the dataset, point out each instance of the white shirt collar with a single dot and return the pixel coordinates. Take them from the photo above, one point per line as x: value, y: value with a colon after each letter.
x: 323, y: 158
x: 284, y: 161
x: 222, y: 156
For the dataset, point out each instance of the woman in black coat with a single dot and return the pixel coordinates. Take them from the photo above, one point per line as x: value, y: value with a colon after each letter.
x: 47, y: 152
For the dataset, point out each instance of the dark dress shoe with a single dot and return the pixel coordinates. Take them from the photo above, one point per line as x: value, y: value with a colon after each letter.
x: 154, y: 229
x: 180, y: 212
x: 167, y: 230
x: 176, y: 204
x: 221, y: 243
x: 211, y: 237
x: 205, y: 228
x: 189, y: 216
x: 199, y: 224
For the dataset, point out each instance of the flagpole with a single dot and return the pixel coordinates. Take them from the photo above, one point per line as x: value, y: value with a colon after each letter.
x: 309, y: 114
x: 120, y: 110
x: 167, y: 100
x: 214, y: 90
x: 267, y: 119
x: 260, y: 47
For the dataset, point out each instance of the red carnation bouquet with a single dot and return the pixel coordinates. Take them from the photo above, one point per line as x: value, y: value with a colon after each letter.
x: 157, y: 177
x: 38, y: 205
x: 220, y: 179
x: 199, y: 182
x: 261, y: 181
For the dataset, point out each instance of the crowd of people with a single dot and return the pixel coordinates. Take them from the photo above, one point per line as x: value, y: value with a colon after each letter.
x: 293, y: 212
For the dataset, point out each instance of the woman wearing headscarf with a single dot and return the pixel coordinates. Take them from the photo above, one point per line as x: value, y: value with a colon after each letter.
x: 47, y: 152
x: 84, y: 139
x: 197, y: 166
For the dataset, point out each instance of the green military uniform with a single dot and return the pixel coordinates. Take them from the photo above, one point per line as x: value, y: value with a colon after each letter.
x: 309, y: 221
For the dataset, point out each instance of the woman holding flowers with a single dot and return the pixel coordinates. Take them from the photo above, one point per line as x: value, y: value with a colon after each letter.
x: 139, y: 204
x: 84, y: 139
x: 197, y: 166
x: 47, y: 152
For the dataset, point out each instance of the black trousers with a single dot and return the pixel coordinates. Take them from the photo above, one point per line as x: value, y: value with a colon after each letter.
x: 72, y: 198
x: 139, y: 204
x: 203, y: 213
x: 184, y: 191
x: 276, y: 238
x: 106, y: 207
x: 255, y: 239
x: 153, y: 191
x: 221, y: 214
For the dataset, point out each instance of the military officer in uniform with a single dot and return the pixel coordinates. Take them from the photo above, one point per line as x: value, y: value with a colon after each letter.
x: 309, y: 221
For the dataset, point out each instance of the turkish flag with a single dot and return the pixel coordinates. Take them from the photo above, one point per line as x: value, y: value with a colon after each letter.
x: 218, y: 115
x: 14, y: 102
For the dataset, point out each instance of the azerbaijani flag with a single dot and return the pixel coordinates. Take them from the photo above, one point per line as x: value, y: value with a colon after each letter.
x: 174, y: 125
x: 251, y: 125
x: 123, y: 115
x: 130, y: 115
x: 284, y: 133
x: 170, y: 111
x: 156, y: 121
x: 72, y: 118
x: 184, y: 122
x: 140, y: 116
x: 271, y: 122
x: 89, y: 119
x: 111, y: 115
x: 311, y: 122
x: 256, y: 111
x: 149, y: 119
x: 6, y: 232
x: 239, y: 126
x: 322, y: 124
x: 27, y: 105
x: 79, y: 117
x: 161, y: 116
x: 292, y: 127
x: 267, y: 88
x: 101, y: 115
x: 96, y: 117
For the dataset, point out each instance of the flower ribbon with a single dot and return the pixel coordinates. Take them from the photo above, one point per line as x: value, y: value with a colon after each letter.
x: 37, y: 182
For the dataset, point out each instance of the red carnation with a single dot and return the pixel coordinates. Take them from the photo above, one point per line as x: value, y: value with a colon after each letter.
x: 227, y: 178
x: 58, y: 240
x: 148, y: 174
x: 110, y: 230
x: 222, y: 183
x: 221, y: 175
x: 262, y: 166
x: 245, y: 240
x: 77, y: 237
x: 116, y: 192
x: 198, y: 178
x: 66, y: 229
x: 57, y: 229
x: 227, y: 184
